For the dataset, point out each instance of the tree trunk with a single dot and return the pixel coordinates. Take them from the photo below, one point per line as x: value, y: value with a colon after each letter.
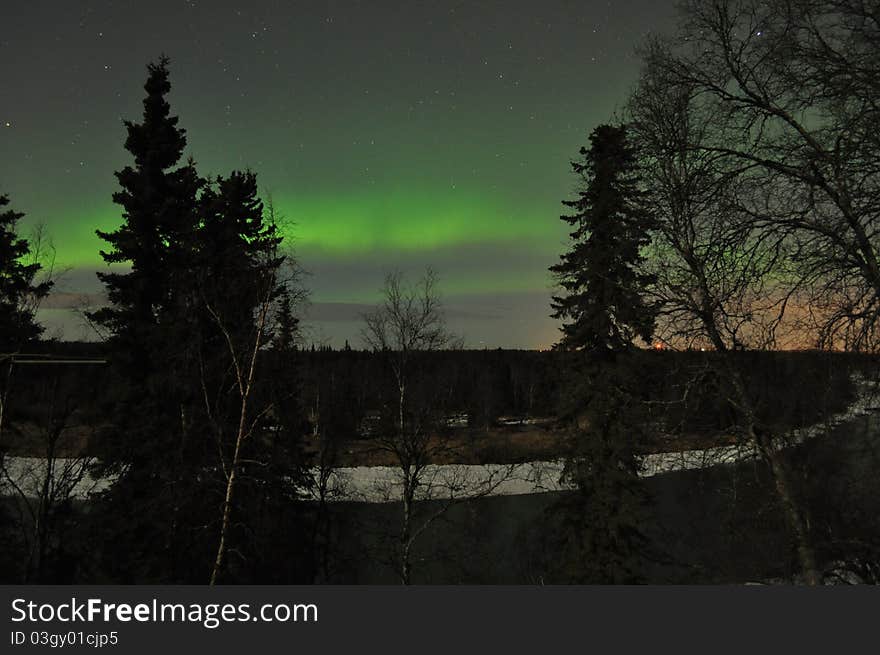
x: 406, y: 529
x: 231, y: 478
x: 227, y: 513
x: 797, y: 523
x: 791, y: 508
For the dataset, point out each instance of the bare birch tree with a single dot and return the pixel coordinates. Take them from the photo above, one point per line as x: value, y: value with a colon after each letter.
x: 272, y: 285
x: 47, y: 481
x: 405, y: 329
x: 794, y: 90
x: 719, y: 275
x: 408, y: 323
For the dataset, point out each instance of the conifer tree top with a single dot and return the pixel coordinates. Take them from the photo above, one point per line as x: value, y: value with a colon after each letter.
x: 159, y: 215
x: 157, y: 142
x: 600, y: 279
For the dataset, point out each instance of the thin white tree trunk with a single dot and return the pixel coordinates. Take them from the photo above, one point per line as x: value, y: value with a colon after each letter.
x: 244, y: 388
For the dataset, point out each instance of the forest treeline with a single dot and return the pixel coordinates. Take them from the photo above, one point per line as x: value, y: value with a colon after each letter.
x: 488, y: 389
x: 728, y: 213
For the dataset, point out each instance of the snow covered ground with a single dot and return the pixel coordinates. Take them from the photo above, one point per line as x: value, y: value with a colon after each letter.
x: 383, y: 483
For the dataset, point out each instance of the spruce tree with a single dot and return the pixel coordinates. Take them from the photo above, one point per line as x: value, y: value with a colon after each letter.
x: 605, y: 518
x: 159, y: 204
x: 152, y: 442
x: 19, y: 288
x: 187, y: 337
x: 237, y: 258
x: 605, y: 310
x: 599, y: 275
x: 288, y: 326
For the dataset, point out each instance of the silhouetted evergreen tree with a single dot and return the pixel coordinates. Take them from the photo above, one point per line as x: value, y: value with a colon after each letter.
x: 238, y: 254
x: 604, y: 520
x: 160, y: 215
x: 606, y: 311
x: 600, y: 275
x: 19, y: 287
x: 182, y: 330
x: 288, y: 325
x: 148, y: 512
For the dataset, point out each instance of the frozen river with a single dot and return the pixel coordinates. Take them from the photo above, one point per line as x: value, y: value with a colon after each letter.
x: 383, y: 483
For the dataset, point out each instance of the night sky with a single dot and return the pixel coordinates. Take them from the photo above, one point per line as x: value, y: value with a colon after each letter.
x: 390, y: 135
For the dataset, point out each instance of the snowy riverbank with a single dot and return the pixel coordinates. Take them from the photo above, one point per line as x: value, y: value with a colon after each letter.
x: 383, y: 483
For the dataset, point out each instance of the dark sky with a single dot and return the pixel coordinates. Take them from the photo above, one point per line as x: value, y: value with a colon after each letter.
x: 390, y: 135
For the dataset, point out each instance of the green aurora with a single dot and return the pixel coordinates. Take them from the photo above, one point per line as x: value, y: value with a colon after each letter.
x: 444, y: 141
x: 377, y: 224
